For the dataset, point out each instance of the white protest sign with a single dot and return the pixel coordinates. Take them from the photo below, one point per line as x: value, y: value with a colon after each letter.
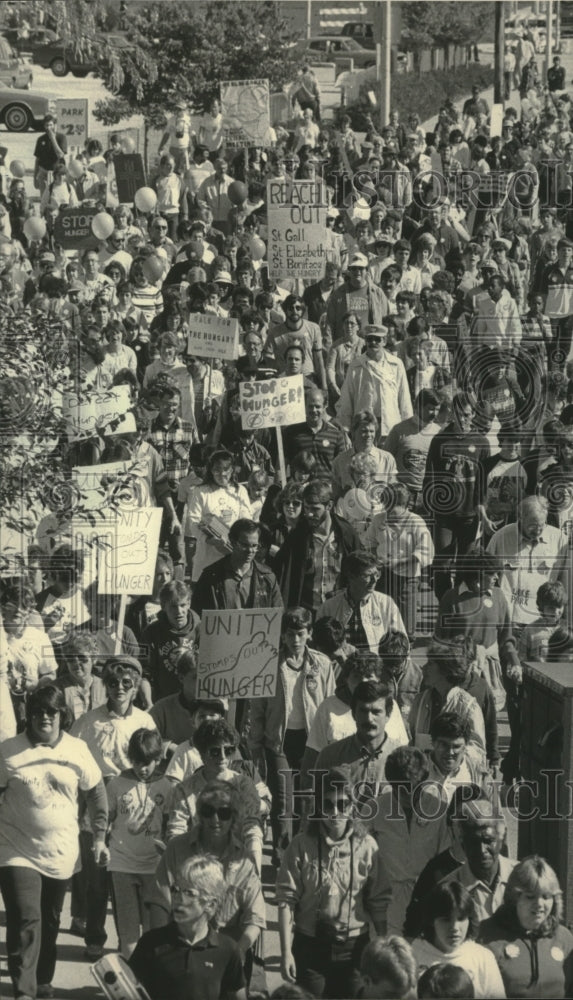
x: 94, y: 410
x: 496, y: 120
x: 296, y: 229
x: 72, y: 115
x: 275, y: 402
x: 239, y: 653
x: 129, y: 552
x: 245, y: 107
x: 213, y: 336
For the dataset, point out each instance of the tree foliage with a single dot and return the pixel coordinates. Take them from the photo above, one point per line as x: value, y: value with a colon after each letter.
x: 441, y: 24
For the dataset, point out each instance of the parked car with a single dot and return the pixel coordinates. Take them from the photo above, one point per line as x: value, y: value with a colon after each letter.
x: 24, y: 45
x: 22, y: 111
x: 336, y: 49
x: 62, y: 60
x: 361, y: 31
x: 13, y: 70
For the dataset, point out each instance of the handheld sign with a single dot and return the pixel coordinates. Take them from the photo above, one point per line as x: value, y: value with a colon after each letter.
x: 95, y: 410
x: 72, y: 115
x: 245, y: 107
x: 129, y: 552
x: 92, y: 482
x: 73, y: 229
x: 274, y: 402
x: 239, y: 653
x: 296, y: 228
x: 213, y: 336
x: 129, y: 176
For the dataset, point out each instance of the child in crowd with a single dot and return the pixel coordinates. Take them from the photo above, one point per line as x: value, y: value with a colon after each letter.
x: 173, y: 632
x: 534, y: 639
x: 403, y: 676
x: 328, y: 638
x: 257, y: 486
x: 139, y: 802
x: 388, y: 970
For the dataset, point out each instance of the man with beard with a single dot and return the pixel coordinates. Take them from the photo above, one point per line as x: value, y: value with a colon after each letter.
x: 409, y: 443
x: 359, y: 295
x: 297, y: 327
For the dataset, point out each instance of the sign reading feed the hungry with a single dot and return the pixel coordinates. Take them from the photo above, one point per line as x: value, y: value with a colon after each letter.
x: 296, y: 228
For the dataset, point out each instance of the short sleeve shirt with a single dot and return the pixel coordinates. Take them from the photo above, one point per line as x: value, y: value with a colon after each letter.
x: 39, y: 809
x: 45, y: 152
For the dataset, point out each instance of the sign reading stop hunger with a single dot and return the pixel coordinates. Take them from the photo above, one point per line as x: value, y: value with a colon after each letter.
x: 73, y: 229
x: 275, y: 402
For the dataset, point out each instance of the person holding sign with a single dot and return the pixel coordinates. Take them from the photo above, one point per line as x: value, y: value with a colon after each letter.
x: 319, y: 436
x: 212, y: 508
x: 238, y: 580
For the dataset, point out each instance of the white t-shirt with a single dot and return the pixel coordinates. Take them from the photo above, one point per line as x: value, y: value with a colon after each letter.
x: 108, y: 735
x: 30, y: 657
x: 184, y: 762
x: 473, y: 958
x: 136, y: 813
x: 39, y: 809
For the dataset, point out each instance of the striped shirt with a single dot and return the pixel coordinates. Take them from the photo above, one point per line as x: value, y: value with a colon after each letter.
x: 325, y: 445
x: 173, y: 444
x: 557, y: 286
x: 149, y: 299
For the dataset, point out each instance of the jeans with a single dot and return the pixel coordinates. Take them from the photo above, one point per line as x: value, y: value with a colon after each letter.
x: 90, y: 891
x: 451, y: 538
x: 404, y: 592
x: 325, y: 970
x: 33, y: 904
x: 282, y: 784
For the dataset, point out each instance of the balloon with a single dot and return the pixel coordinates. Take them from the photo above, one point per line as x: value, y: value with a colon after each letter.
x: 153, y: 268
x: 257, y: 248
x: 75, y: 169
x: 17, y: 168
x: 102, y: 226
x: 145, y: 199
x: 34, y: 228
x: 238, y: 192
x: 128, y: 145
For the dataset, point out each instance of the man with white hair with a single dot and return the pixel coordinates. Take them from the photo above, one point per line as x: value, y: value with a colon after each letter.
x: 375, y: 381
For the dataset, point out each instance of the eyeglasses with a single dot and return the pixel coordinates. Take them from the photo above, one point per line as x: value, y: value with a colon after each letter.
x: 38, y: 713
x: 117, y: 682
x: 295, y: 308
x: 178, y: 890
x: 222, y: 812
x: 330, y: 806
x: 373, y: 341
x: 224, y: 751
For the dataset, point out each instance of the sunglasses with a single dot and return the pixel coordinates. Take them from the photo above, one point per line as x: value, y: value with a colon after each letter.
x: 117, y: 682
x: 373, y: 341
x: 215, y: 752
x: 222, y: 812
x: 39, y: 713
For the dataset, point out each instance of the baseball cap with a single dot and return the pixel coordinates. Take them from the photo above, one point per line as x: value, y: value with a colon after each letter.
x: 358, y: 260
x: 223, y: 277
x: 123, y: 661
x: 196, y: 274
x: 374, y: 332
x: 47, y: 257
x: 76, y: 286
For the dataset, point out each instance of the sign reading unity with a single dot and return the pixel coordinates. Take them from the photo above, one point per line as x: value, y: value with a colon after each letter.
x: 274, y: 402
x: 296, y: 228
x: 245, y: 107
x: 213, y: 336
x: 239, y: 653
x: 128, y: 552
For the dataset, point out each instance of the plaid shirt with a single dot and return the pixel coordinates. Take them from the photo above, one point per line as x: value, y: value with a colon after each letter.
x: 173, y: 444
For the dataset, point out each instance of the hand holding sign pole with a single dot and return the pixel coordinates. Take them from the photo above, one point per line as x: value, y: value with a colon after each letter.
x: 274, y: 402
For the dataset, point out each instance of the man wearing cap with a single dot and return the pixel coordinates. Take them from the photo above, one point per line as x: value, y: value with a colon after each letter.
x: 46, y: 265
x: 107, y: 731
x: 508, y: 269
x: 213, y: 192
x: 557, y: 287
x: 382, y: 246
x: 556, y: 75
x: 359, y: 295
x: 50, y: 148
x: 375, y: 381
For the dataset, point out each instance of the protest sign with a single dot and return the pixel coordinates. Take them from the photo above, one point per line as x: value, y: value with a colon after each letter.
x: 245, y: 107
x: 94, y: 410
x: 72, y: 115
x: 296, y: 229
x: 129, y: 176
x: 274, y: 402
x: 73, y: 229
x: 496, y: 120
x: 213, y: 336
x: 239, y: 653
x: 128, y: 551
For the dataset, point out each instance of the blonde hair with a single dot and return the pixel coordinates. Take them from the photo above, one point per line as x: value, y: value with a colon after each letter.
x: 204, y: 873
x: 390, y: 959
x: 534, y: 875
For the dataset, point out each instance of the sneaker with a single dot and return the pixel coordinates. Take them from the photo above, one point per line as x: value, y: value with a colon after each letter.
x: 93, y: 952
x: 45, y: 990
x: 78, y: 927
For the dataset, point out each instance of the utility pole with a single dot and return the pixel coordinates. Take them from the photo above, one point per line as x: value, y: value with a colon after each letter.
x: 549, y: 47
x: 383, y: 36
x: 557, y: 45
x: 308, y: 18
x: 499, y: 52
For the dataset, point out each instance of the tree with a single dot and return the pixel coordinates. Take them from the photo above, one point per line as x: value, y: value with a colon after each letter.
x: 428, y: 25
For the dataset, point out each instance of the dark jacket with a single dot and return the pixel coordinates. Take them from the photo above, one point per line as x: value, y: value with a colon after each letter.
x: 314, y: 302
x: 531, y: 965
x: 161, y: 646
x: 209, y: 591
x: 290, y: 561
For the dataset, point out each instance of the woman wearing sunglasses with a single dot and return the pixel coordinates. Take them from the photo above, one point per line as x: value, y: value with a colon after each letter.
x: 217, y: 743
x: 241, y: 913
x: 331, y: 883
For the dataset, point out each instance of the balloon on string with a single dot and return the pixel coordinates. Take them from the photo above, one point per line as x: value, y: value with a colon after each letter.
x: 34, y: 228
x: 17, y: 168
x: 238, y: 192
x: 75, y: 169
x: 128, y: 145
x: 145, y: 199
x: 257, y: 248
x: 102, y: 226
x: 153, y: 268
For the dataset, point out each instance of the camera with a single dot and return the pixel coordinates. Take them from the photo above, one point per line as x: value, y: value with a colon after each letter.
x: 327, y: 933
